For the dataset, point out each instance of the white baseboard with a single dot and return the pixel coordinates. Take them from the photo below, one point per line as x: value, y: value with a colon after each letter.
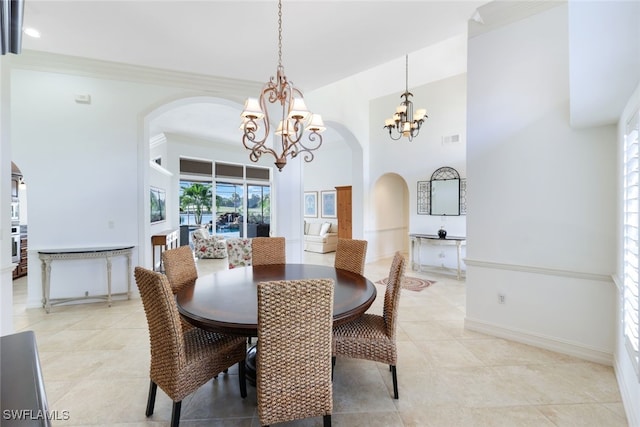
x: 548, y: 343
x: 628, y: 401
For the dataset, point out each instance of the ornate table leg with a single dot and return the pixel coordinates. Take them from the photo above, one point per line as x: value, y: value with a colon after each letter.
x: 46, y: 284
x: 129, y: 275
x: 458, y: 247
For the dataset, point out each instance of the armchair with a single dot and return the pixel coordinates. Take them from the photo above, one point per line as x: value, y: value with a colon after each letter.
x: 207, y: 246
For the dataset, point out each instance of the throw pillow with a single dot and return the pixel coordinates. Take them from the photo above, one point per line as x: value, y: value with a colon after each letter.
x: 314, y: 228
x: 325, y: 228
x: 200, y: 233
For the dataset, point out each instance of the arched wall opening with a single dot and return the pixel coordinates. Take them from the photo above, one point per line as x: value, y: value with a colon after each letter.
x: 389, y: 216
x: 339, y: 162
x: 222, y: 143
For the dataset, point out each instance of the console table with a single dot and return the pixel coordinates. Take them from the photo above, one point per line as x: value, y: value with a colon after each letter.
x: 47, y: 256
x: 167, y: 239
x: 418, y: 239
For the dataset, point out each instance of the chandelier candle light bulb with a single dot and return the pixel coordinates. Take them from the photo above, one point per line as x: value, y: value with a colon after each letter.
x: 298, y: 129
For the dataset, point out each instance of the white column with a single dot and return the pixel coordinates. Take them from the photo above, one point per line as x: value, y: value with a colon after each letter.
x: 6, y: 265
x: 287, y: 203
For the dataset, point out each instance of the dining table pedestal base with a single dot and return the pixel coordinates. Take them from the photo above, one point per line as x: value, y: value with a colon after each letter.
x: 250, y: 365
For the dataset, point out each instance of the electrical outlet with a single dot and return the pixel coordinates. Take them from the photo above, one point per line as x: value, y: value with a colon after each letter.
x: 501, y: 298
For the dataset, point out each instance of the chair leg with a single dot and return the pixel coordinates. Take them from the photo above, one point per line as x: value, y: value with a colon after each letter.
x: 175, y: 414
x: 333, y: 364
x: 242, y: 377
x: 395, y: 381
x: 151, y: 400
x: 327, y: 420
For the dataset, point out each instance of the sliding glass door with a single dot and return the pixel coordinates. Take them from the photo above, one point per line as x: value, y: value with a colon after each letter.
x: 229, y: 209
x: 242, y: 200
x: 259, y: 210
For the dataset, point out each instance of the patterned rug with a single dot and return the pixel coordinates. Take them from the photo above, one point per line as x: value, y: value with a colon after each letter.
x: 411, y: 283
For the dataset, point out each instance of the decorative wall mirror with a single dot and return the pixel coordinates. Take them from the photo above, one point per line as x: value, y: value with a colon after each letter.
x: 444, y: 195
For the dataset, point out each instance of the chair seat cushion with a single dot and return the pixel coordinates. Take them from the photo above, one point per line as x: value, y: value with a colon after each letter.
x: 365, y: 338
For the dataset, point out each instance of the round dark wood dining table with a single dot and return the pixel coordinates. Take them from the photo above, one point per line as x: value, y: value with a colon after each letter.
x: 227, y: 300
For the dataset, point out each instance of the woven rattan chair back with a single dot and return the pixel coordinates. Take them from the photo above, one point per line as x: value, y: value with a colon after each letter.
x: 371, y: 336
x: 239, y: 252
x: 294, y: 350
x: 181, y: 361
x: 268, y: 250
x: 392, y: 294
x: 351, y: 255
x: 180, y: 267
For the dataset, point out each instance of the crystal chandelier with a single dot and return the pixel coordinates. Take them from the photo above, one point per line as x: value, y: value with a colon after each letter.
x: 405, y: 122
x: 295, y: 123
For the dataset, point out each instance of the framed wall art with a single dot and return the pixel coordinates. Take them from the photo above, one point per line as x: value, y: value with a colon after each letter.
x: 158, y: 205
x: 311, y: 204
x: 328, y: 203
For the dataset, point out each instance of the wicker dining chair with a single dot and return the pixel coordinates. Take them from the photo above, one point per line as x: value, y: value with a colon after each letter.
x: 351, y: 255
x: 293, y: 359
x: 180, y: 267
x: 268, y: 250
x: 239, y: 252
x: 182, y: 361
x: 373, y: 337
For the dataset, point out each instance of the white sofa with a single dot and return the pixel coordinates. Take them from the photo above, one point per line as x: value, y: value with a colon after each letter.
x: 319, y: 237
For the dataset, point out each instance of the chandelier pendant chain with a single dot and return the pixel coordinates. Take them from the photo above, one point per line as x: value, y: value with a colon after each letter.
x: 279, y: 35
x: 406, y: 73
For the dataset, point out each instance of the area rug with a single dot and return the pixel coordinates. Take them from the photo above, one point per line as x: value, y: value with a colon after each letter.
x: 411, y: 283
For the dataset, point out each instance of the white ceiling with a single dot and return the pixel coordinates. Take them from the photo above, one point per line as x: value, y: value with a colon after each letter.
x: 323, y: 41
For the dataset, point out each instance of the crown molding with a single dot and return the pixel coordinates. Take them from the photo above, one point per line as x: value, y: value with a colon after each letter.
x: 496, y: 14
x: 234, y: 89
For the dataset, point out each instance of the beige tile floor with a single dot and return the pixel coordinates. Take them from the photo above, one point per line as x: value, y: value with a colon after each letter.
x: 95, y: 362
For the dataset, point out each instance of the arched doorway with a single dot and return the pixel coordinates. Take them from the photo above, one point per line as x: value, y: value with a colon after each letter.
x: 390, y: 215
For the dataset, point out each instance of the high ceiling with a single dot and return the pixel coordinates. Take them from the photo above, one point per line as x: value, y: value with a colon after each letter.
x: 323, y: 41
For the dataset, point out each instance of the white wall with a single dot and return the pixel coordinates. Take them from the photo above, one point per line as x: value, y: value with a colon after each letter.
x: 541, y: 196
x: 82, y: 164
x: 330, y: 169
x: 445, y: 102
x: 355, y: 112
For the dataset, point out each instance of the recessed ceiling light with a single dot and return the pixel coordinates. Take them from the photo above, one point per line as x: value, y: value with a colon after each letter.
x: 32, y: 32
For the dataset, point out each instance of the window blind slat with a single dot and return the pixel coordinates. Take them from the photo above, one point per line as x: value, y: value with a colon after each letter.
x: 631, y: 206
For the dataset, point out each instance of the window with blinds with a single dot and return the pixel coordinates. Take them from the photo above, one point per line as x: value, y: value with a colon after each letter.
x: 631, y: 217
